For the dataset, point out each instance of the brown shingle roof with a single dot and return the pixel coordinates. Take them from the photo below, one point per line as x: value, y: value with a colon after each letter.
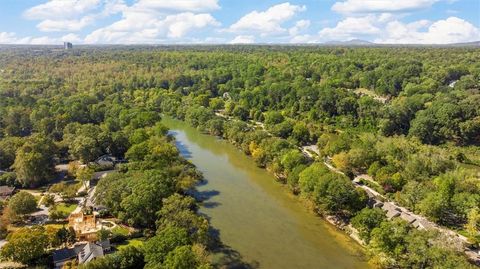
x: 6, y: 190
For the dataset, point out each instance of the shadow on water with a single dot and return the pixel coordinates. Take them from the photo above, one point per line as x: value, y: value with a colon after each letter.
x: 210, y: 204
x: 183, y: 150
x: 231, y: 259
x: 203, y: 196
x: 203, y: 182
x: 227, y: 257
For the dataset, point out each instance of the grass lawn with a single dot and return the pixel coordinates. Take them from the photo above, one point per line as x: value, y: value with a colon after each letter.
x: 121, y: 230
x: 66, y: 208
x: 136, y: 242
x: 56, y: 226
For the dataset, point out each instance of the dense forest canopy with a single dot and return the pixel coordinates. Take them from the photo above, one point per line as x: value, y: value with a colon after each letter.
x: 407, y: 116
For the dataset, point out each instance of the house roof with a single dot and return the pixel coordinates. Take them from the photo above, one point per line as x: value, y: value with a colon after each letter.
x: 392, y: 214
x: 420, y: 223
x: 105, y: 244
x: 67, y: 253
x: 6, y: 190
x: 407, y: 217
x: 64, y: 254
x: 90, y: 252
x: 390, y: 207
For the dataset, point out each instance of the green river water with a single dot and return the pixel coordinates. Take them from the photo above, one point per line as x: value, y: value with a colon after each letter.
x: 257, y: 219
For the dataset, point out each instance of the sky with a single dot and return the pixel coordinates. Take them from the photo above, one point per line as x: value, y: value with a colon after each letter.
x: 238, y: 21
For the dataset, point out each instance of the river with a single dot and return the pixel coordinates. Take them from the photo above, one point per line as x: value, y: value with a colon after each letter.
x: 262, y: 224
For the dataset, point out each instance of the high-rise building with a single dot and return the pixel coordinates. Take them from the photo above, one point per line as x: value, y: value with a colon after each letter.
x: 67, y: 45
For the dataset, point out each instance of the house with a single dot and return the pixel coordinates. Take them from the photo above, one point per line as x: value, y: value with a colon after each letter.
x: 408, y: 218
x: 6, y: 192
x: 392, y: 214
x: 90, y: 252
x: 84, y: 252
x: 377, y: 204
x: 107, y: 160
x: 85, y: 226
x: 422, y: 224
x: 391, y: 211
x: 64, y: 255
x: 106, y: 246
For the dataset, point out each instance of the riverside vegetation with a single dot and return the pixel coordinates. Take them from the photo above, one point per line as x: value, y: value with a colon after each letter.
x: 408, y: 117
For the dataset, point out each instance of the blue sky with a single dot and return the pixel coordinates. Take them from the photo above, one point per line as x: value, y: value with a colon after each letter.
x: 234, y: 21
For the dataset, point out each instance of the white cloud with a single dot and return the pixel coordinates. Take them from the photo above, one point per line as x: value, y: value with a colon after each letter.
x: 351, y: 27
x: 63, y: 9
x: 379, y: 6
x: 8, y: 38
x: 243, y: 39
x: 140, y: 27
x: 178, y: 25
x: 450, y: 30
x: 269, y: 21
x: 179, y: 5
x: 12, y: 38
x: 71, y: 38
x: 299, y: 26
x: 72, y: 15
x: 65, y: 25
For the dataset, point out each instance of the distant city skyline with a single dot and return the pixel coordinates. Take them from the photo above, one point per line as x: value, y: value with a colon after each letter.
x: 232, y: 22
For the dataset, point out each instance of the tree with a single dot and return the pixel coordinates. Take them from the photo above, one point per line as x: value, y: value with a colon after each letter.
x: 4, y: 222
x: 179, y: 211
x: 342, y: 161
x: 8, y: 147
x: 180, y: 258
x: 34, y: 163
x: 273, y: 118
x: 387, y: 242
x: 85, y: 149
x: 103, y: 234
x: 332, y: 192
x: 17, y: 121
x: 309, y: 177
x: 146, y: 198
x: 26, y: 245
x: 22, y: 203
x: 291, y: 159
x: 366, y: 220
x: 85, y: 175
x: 166, y: 240
x: 473, y: 226
x: 300, y: 133
x: 240, y: 112
x: 48, y: 200
x: 65, y: 236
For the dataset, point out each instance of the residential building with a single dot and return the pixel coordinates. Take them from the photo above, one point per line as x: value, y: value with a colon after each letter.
x: 85, y: 226
x: 83, y: 252
x: 6, y: 192
x: 90, y: 252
